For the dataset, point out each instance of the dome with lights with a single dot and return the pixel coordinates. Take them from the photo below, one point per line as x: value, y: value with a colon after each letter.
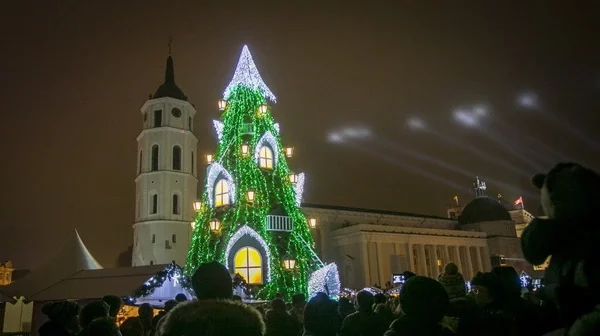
x: 483, y: 209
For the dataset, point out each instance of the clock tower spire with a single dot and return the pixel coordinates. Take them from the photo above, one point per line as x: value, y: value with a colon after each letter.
x: 166, y: 182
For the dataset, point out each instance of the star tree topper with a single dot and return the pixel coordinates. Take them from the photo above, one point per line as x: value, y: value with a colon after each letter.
x: 246, y: 74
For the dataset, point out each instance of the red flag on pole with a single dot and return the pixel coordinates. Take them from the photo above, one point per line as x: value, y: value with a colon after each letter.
x: 519, y: 201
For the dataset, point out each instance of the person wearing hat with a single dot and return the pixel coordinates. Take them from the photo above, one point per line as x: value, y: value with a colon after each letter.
x: 462, y: 310
x: 424, y: 303
x: 212, y: 281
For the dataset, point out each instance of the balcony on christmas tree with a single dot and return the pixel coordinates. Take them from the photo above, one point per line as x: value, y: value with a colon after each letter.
x: 280, y: 223
x: 248, y: 128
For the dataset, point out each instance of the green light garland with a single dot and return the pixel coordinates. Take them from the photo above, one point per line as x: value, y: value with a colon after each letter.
x: 273, y: 190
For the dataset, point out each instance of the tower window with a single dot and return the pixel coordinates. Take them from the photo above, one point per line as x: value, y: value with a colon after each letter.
x: 193, y: 163
x: 190, y: 123
x: 175, y: 204
x: 222, y: 193
x: 174, y: 238
x: 157, y: 118
x: 153, y: 238
x: 265, y: 158
x: 176, y: 158
x: 154, y: 205
x: 151, y: 262
x: 140, y: 168
x: 155, y: 158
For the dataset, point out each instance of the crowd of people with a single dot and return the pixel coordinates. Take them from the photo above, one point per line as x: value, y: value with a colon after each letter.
x: 495, y: 304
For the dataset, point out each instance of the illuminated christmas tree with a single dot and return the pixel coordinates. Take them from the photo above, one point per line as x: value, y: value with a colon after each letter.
x: 249, y: 217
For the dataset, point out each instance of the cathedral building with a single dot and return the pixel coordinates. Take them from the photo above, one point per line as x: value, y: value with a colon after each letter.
x: 369, y: 246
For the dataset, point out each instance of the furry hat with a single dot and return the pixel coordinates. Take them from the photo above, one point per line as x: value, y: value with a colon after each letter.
x: 453, y: 282
x: 212, y: 317
x: 569, y: 191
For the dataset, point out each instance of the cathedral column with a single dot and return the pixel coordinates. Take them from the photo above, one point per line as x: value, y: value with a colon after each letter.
x: 422, y: 267
x: 446, y: 255
x: 487, y: 263
x: 469, y: 262
x: 479, y: 260
x: 458, y: 260
x: 434, y: 262
x: 366, y: 264
x: 411, y: 258
x: 379, y: 268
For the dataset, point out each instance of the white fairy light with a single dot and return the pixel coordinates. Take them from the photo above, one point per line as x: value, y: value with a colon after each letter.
x: 246, y: 74
x: 246, y: 230
x: 299, y: 189
x: 214, y: 171
x: 218, y: 128
x: 326, y: 280
x: 276, y: 126
x: 270, y: 139
x: 525, y: 279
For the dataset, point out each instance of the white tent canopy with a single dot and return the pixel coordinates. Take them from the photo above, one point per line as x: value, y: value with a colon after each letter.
x: 72, y: 258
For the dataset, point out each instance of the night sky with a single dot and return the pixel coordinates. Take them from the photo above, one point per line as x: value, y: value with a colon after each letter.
x: 75, y: 73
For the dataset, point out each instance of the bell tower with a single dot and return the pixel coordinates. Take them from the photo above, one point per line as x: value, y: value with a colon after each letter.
x: 166, y: 182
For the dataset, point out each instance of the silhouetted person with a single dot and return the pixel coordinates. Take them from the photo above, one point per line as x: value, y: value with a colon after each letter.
x: 90, y: 312
x: 63, y: 319
x: 486, y: 290
x: 212, y: 281
x: 298, y: 304
x: 213, y: 318
x: 146, y: 314
x: 364, y: 321
x: 104, y: 326
x: 345, y: 308
x: 132, y: 326
x: 320, y: 316
x: 114, y: 305
x: 180, y: 297
x: 462, y: 311
x: 160, y: 318
x: 279, y: 322
x: 424, y: 303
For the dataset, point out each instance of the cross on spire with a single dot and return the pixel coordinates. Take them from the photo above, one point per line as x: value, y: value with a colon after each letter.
x: 170, y: 44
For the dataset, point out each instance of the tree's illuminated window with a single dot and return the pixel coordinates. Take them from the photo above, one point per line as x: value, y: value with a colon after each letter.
x: 265, y: 158
x: 248, y: 263
x: 222, y: 193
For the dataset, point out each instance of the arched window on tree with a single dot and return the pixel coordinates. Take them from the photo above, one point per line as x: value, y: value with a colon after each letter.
x: 176, y: 158
x: 247, y: 262
x: 222, y: 193
x: 265, y: 159
x: 154, y: 162
x: 176, y: 204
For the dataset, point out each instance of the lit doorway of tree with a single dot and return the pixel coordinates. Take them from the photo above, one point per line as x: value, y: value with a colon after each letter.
x: 248, y: 263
